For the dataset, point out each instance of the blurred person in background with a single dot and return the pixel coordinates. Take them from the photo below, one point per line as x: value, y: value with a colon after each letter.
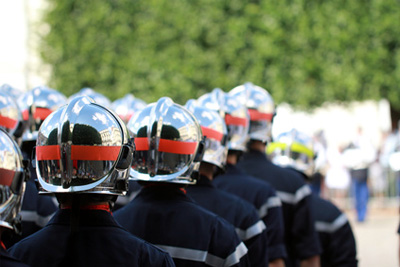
x: 83, y: 156
x: 301, y: 238
x: 321, y: 162
x: 337, y: 177
x: 169, y: 146
x: 13, y: 176
x: 295, y: 150
x: 261, y: 194
x: 240, y: 213
x: 358, y: 157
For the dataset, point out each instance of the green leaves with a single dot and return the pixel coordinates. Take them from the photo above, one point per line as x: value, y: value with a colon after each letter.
x: 302, y: 52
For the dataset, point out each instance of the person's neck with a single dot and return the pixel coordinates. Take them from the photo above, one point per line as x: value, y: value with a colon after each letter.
x: 258, y: 146
x: 207, y: 170
x: 232, y: 159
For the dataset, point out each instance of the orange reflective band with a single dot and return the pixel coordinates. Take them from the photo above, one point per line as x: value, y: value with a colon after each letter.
x: 95, y: 152
x: 141, y: 143
x: 41, y: 113
x: 25, y: 115
x: 51, y: 152
x: 259, y: 116
x: 177, y: 147
x: 7, y: 122
x: 168, y: 146
x: 231, y: 120
x: 211, y: 133
x: 6, y: 177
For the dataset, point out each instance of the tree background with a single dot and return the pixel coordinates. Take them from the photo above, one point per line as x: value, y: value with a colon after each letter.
x: 304, y: 52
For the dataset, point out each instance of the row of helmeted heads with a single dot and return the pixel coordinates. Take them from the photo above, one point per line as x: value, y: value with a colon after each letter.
x: 86, y: 144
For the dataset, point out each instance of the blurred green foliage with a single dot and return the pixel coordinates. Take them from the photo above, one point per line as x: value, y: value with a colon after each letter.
x: 304, y: 52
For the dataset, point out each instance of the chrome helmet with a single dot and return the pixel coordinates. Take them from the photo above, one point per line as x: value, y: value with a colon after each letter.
x: 261, y: 108
x: 97, y: 97
x: 13, y: 175
x: 10, y: 114
x: 13, y: 92
x: 168, y: 142
x: 127, y: 106
x: 83, y: 147
x: 293, y: 149
x: 235, y: 114
x: 36, y: 105
x: 215, y: 133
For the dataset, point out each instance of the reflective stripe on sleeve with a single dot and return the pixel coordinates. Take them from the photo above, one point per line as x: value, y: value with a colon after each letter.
x: 32, y: 216
x: 293, y: 199
x: 205, y: 256
x: 333, y: 226
x: 272, y: 202
x: 252, y: 231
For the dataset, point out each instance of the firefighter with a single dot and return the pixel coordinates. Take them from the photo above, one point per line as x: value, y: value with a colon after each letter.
x: 235, y: 181
x: 301, y: 238
x: 295, y: 150
x: 240, y: 213
x: 169, y: 146
x: 83, y: 156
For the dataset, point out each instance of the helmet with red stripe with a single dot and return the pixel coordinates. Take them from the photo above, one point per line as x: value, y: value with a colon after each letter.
x: 13, y: 175
x: 215, y: 133
x: 127, y: 106
x: 96, y: 96
x: 168, y: 143
x: 83, y: 147
x: 10, y: 114
x: 261, y: 108
x: 235, y: 114
x: 36, y: 105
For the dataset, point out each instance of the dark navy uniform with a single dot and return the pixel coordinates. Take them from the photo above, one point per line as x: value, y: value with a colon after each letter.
x: 7, y: 261
x: 335, y: 233
x: 301, y: 238
x: 238, y: 212
x: 134, y: 189
x: 98, y: 241
x: 193, y: 236
x: 264, y: 198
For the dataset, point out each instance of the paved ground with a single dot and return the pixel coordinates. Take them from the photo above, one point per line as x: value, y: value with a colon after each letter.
x: 377, y: 239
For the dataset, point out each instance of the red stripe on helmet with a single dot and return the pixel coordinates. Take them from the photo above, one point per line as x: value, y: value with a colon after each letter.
x: 6, y: 177
x: 231, y: 120
x: 51, y: 152
x: 7, y: 122
x: 141, y: 143
x: 211, y: 133
x: 42, y: 113
x: 95, y: 152
x: 168, y: 146
x: 255, y: 115
x: 25, y: 115
x: 177, y: 147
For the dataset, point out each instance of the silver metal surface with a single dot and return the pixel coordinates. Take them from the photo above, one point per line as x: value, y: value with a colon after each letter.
x: 167, y: 140
x: 78, y: 147
x: 215, y: 133
x: 36, y: 105
x: 12, y: 181
x: 127, y: 106
x: 261, y: 108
